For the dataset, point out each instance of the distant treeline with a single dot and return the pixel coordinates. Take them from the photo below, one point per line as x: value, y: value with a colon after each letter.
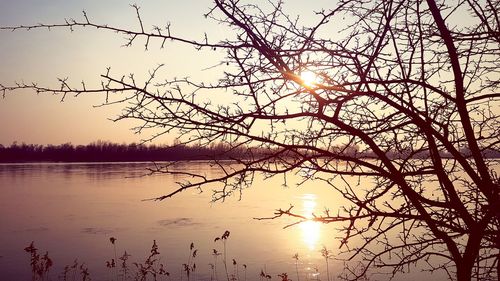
x: 102, y: 151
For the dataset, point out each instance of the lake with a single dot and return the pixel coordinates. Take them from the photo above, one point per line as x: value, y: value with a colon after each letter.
x: 71, y: 211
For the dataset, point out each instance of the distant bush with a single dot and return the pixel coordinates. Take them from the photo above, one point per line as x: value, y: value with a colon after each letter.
x: 102, y: 151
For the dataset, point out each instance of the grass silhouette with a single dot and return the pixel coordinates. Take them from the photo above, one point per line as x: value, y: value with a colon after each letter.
x: 121, y: 268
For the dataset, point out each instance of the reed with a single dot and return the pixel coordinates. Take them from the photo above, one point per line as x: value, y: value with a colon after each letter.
x: 296, y: 258
x: 224, y: 238
x: 327, y: 255
x: 40, y: 264
x: 190, y: 266
x: 151, y: 268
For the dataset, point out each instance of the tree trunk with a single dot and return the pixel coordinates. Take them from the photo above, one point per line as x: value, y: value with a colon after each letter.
x: 464, y: 270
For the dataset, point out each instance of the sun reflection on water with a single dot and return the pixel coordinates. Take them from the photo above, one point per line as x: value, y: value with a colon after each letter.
x: 310, y: 229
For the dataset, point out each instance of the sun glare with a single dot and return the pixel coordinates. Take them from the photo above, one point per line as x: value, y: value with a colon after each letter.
x: 310, y: 229
x: 309, y: 78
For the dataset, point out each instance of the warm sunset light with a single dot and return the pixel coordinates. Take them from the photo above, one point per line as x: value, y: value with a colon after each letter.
x: 241, y: 140
x: 309, y: 78
x: 310, y: 229
x: 310, y: 234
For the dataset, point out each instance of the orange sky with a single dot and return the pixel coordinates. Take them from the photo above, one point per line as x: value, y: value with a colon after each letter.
x: 41, y: 56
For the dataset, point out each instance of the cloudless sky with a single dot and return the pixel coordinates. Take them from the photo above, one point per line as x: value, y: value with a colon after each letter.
x: 42, y: 56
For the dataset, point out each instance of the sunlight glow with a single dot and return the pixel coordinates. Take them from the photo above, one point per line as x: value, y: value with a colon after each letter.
x: 309, y: 78
x: 310, y: 229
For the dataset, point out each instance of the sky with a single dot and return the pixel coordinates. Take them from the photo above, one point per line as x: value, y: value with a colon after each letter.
x: 43, y: 56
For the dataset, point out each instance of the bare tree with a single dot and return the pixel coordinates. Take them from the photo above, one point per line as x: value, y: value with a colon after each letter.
x: 402, y: 92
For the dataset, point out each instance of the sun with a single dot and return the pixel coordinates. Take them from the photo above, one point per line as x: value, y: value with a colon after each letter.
x: 308, y: 78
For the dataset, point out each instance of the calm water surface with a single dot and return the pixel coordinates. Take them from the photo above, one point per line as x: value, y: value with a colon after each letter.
x: 71, y: 210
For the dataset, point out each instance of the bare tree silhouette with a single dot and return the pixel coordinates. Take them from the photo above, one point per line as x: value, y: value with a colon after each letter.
x: 413, y: 83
